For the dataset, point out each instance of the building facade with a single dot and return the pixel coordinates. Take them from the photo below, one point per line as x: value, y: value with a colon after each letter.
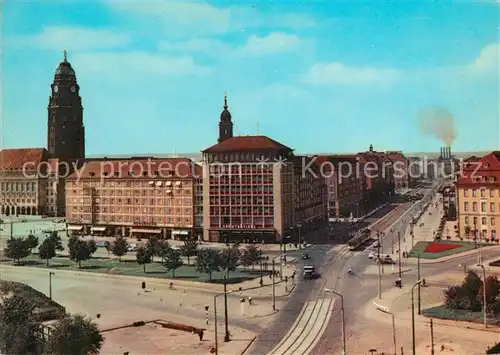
x: 32, y: 180
x: 135, y: 197
x: 478, y: 197
x: 400, y: 170
x: 345, y: 185
x: 249, y: 189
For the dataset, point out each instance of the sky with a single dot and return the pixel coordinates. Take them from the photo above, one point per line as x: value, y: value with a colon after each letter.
x: 317, y: 76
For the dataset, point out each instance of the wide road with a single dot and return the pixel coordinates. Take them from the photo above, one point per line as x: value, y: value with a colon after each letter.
x: 327, y: 259
x: 360, y: 289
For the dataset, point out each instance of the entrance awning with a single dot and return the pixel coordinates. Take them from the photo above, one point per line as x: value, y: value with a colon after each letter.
x: 178, y: 232
x: 98, y: 229
x: 153, y: 231
x: 75, y: 228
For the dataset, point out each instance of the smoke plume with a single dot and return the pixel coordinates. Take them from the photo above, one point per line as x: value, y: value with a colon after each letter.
x: 439, y: 123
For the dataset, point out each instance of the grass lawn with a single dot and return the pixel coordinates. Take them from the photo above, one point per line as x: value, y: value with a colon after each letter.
x: 442, y: 312
x: 131, y: 268
x: 421, y: 247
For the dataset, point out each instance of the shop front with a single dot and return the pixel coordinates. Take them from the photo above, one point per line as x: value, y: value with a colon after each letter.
x: 74, y: 230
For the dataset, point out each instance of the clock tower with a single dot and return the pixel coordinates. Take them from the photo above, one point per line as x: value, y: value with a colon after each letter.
x: 66, y: 133
x: 225, y: 123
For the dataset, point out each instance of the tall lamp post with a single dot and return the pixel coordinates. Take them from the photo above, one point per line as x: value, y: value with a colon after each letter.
x: 50, y: 284
x: 343, y: 317
x: 413, y: 316
x: 484, y: 295
x: 274, y: 284
x: 299, y: 227
x: 226, y: 336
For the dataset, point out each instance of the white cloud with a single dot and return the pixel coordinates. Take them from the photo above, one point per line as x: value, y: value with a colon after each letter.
x: 207, y: 45
x: 71, y: 38
x: 277, y: 42
x: 179, y: 17
x: 123, y: 64
x: 488, y: 59
x: 338, y: 73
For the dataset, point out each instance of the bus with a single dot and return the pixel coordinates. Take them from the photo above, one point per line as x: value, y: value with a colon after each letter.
x: 359, y: 239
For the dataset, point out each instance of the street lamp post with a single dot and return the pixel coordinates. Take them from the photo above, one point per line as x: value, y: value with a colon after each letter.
x: 274, y: 284
x: 343, y: 317
x: 399, y: 253
x: 379, y: 261
x: 299, y: 227
x: 413, y: 316
x: 484, y: 295
x: 50, y: 284
x: 226, y: 337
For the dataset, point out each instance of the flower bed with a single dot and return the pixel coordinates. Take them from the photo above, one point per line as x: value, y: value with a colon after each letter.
x: 436, y: 247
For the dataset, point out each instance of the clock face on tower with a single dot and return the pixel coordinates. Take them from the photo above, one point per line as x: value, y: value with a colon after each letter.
x: 73, y: 89
x: 56, y: 88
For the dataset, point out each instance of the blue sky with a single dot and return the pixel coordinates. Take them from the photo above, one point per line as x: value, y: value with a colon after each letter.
x: 322, y: 76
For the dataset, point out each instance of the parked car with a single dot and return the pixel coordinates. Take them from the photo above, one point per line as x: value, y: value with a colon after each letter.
x: 387, y: 260
x: 101, y: 244
x: 132, y: 247
x: 372, y: 255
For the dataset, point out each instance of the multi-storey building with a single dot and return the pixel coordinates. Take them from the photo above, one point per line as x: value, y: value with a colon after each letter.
x: 139, y: 197
x: 345, y: 185
x: 310, y: 195
x: 400, y: 170
x: 23, y: 181
x: 478, y: 197
x: 248, y: 189
x: 32, y: 180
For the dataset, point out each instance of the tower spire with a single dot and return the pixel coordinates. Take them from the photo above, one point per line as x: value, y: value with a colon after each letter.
x: 65, y: 54
x: 225, y: 101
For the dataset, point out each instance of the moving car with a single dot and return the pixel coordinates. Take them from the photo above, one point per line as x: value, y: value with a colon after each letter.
x: 372, y: 255
x: 387, y: 260
x: 132, y: 247
x: 310, y: 272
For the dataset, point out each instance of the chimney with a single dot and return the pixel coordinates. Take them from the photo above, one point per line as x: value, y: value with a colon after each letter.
x: 441, y: 155
x: 449, y: 152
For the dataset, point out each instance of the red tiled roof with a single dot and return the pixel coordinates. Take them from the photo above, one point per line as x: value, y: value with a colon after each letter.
x: 153, y: 168
x: 481, y: 171
x: 245, y: 143
x: 16, y: 159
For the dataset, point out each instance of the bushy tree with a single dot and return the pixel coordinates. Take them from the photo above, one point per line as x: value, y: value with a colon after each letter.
x: 56, y: 241
x: 492, y: 291
x: 472, y: 282
x: 74, y: 335
x: 119, y: 247
x: 163, y: 250
x: 79, y: 250
x: 92, y: 246
x: 143, y: 256
x: 154, y: 246
x: 251, y: 255
x: 230, y: 258
x: 47, y: 250
x: 189, y: 248
x: 208, y: 261
x: 107, y: 246
x: 32, y: 242
x: 19, y: 328
x: 16, y: 249
x: 173, y: 261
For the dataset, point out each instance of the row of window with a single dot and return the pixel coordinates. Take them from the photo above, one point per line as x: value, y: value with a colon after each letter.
x: 134, y: 210
x: 242, y: 222
x: 235, y: 211
x: 129, y: 192
x: 20, y: 200
x: 484, y: 221
x: 18, y: 186
x: 148, y: 221
x: 136, y: 201
x: 129, y: 183
x: 241, y: 200
x: 483, y: 207
x: 483, y: 192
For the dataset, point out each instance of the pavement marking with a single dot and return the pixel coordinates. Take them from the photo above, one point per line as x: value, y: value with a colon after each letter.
x: 309, y: 328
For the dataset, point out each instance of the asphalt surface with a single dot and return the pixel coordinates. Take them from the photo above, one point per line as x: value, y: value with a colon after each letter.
x: 327, y: 261
x: 359, y: 290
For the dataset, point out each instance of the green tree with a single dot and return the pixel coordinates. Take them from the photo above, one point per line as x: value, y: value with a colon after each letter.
x: 163, y: 250
x: 56, y: 241
x: 32, y: 242
x: 92, y: 246
x: 47, y: 250
x: 75, y: 335
x: 79, y: 250
x: 208, y: 261
x: 119, y: 247
x: 189, y: 248
x: 492, y: 291
x: 472, y: 282
x: 107, y: 246
x: 143, y: 256
x: 173, y: 261
x: 154, y: 246
x: 230, y: 258
x: 16, y: 249
x: 251, y: 255
x: 19, y: 327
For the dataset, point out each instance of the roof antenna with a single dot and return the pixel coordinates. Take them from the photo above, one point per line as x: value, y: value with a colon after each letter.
x: 258, y: 128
